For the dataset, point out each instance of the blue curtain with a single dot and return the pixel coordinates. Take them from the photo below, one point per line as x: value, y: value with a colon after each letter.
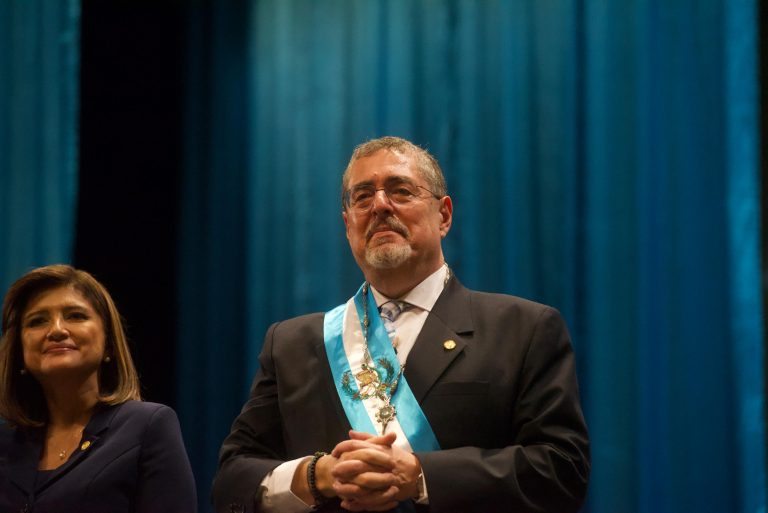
x: 39, y: 70
x: 602, y: 157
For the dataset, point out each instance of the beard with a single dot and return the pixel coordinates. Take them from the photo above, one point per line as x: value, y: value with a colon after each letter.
x: 388, y: 255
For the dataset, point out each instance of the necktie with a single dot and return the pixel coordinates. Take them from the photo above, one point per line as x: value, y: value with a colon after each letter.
x: 390, y: 311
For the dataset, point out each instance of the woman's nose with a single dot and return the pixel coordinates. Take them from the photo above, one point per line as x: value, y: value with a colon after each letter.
x: 58, y: 329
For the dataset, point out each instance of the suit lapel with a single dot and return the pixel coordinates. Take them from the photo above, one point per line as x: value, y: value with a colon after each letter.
x: 450, y: 319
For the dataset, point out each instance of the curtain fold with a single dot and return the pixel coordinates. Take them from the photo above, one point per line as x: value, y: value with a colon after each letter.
x: 213, y: 263
x: 39, y: 66
x: 602, y: 158
x: 743, y: 221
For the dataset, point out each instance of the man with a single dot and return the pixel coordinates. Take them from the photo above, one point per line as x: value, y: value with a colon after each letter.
x: 453, y: 401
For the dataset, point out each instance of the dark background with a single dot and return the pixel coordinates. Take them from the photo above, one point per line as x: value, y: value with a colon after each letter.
x: 131, y: 151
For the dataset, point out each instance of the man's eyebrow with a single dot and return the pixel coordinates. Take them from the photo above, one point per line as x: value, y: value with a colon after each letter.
x: 399, y: 179
x: 390, y: 179
x: 366, y: 183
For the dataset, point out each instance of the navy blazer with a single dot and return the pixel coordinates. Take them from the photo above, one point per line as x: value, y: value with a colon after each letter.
x: 503, y: 404
x: 135, y: 462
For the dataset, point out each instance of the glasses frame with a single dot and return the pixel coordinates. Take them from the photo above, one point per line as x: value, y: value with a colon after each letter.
x: 348, y: 196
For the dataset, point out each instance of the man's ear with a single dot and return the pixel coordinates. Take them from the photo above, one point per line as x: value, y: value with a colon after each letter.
x: 446, y: 215
x: 344, y: 215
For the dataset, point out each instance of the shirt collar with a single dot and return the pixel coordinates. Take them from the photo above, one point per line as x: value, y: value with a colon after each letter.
x: 424, y: 295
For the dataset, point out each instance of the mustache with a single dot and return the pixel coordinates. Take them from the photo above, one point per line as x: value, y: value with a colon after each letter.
x: 390, y: 222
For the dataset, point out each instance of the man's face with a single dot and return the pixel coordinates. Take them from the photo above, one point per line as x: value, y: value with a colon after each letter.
x: 388, y: 234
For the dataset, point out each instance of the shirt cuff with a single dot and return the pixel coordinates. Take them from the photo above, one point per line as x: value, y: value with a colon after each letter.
x: 423, y: 497
x: 276, y: 496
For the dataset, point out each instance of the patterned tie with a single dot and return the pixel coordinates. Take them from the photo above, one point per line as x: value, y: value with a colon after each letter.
x: 390, y: 311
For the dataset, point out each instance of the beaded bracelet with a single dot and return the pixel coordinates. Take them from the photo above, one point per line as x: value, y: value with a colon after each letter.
x: 311, y: 481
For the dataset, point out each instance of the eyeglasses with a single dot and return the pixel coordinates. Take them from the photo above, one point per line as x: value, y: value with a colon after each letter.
x: 361, y: 197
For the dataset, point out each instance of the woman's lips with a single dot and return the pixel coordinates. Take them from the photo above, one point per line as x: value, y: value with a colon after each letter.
x: 60, y: 348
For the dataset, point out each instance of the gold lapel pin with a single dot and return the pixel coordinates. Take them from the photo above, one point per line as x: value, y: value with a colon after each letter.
x: 449, y: 345
x: 85, y: 445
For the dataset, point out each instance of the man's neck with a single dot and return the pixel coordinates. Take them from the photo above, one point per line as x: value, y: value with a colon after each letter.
x: 395, y: 283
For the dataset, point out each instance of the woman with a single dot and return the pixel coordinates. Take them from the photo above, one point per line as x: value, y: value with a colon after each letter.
x: 77, y: 436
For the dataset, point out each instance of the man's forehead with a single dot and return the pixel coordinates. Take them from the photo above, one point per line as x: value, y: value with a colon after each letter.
x: 382, y: 165
x: 388, y: 180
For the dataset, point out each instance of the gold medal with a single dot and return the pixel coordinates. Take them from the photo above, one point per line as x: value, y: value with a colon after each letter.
x: 385, y: 414
x: 368, y: 377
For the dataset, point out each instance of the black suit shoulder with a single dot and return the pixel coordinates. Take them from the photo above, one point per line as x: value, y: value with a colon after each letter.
x: 491, y: 298
x: 296, y: 327
x: 294, y: 339
x: 139, y: 413
x: 142, y: 408
x: 502, y: 309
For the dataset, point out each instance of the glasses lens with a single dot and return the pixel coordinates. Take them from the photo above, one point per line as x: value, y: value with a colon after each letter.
x: 402, y: 193
x: 361, y: 197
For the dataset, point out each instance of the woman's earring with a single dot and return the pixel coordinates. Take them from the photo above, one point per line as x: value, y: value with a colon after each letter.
x: 23, y: 371
x: 107, y: 359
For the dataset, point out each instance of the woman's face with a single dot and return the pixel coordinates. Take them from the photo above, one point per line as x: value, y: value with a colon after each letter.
x: 62, y: 336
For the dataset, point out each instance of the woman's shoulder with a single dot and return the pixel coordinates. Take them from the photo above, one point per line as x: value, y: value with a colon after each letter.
x: 139, y: 411
x: 142, y: 407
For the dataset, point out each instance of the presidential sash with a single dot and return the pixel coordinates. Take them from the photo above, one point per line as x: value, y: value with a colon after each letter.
x: 410, y: 416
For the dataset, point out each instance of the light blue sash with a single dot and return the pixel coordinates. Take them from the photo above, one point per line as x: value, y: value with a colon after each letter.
x: 409, y: 414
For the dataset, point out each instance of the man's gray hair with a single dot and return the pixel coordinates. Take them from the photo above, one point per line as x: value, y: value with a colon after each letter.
x: 426, y: 164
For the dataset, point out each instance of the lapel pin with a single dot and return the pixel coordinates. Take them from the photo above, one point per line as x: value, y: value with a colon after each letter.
x: 449, y: 345
x: 85, y: 445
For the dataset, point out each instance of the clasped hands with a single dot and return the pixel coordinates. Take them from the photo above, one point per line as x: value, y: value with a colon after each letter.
x: 368, y: 473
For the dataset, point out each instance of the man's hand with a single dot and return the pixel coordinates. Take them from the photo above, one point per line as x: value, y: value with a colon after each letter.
x: 372, y: 474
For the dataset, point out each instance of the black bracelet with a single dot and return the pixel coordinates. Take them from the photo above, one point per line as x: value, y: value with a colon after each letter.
x: 312, y: 482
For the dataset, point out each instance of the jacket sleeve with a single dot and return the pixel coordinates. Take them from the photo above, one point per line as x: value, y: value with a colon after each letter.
x: 166, y: 483
x: 254, y: 446
x: 545, y: 466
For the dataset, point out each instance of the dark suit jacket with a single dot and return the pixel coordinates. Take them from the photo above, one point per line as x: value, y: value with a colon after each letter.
x: 504, y: 406
x: 136, y: 463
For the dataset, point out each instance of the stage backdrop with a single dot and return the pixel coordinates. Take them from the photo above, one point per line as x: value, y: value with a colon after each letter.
x: 602, y: 158
x: 39, y: 48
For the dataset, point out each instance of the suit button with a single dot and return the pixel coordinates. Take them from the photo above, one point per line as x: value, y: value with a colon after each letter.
x: 236, y: 508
